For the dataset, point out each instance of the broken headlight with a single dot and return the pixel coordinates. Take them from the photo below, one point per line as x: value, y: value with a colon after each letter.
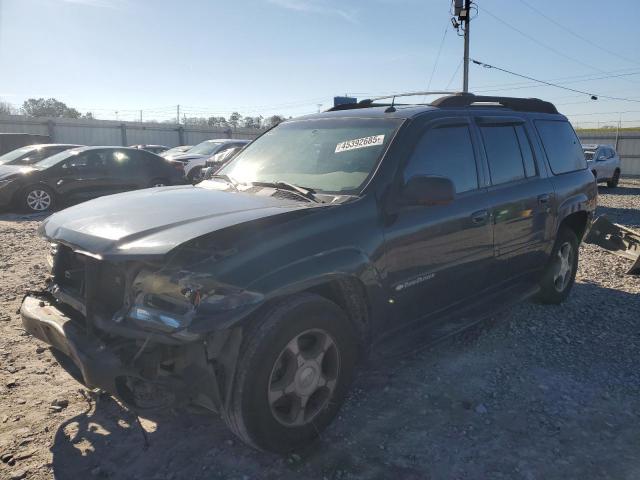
x: 168, y: 301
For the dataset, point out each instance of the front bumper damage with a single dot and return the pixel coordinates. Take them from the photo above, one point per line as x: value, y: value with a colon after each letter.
x: 144, y: 373
x: 617, y: 239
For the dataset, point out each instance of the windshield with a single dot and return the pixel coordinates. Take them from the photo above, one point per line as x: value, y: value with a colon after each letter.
x: 57, y: 158
x: 328, y: 155
x: 588, y: 154
x: 15, y: 154
x: 205, y: 148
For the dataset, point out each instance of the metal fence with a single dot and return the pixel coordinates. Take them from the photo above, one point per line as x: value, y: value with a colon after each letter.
x: 105, y: 132
x: 626, y: 143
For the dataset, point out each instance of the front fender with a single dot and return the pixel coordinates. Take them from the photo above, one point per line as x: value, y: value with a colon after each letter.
x: 316, y: 270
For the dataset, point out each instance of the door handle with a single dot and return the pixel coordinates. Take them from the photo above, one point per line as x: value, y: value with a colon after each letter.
x: 544, y: 199
x: 480, y: 217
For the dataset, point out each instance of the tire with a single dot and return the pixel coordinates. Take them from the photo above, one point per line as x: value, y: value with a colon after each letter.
x: 271, y: 381
x: 38, y: 199
x: 613, y: 183
x: 159, y: 182
x: 560, y: 273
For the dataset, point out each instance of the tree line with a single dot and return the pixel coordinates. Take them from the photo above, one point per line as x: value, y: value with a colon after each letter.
x: 51, y: 107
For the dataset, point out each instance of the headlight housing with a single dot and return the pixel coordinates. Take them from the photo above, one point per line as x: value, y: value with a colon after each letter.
x: 6, y: 181
x: 169, y: 301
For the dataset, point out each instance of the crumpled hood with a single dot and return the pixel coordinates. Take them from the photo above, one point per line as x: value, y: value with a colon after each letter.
x: 151, y: 222
x: 8, y: 171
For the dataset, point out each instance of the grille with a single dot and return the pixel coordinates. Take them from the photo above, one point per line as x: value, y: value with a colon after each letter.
x: 69, y: 269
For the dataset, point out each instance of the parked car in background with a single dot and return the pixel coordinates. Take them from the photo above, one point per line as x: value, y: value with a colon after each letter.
x: 11, y: 141
x: 157, y: 149
x: 33, y: 153
x: 172, y: 152
x: 219, y: 160
x: 194, y: 160
x: 255, y: 293
x: 604, y: 162
x: 82, y: 173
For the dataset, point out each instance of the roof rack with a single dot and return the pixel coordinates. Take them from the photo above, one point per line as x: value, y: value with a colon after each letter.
x: 460, y: 99
x: 513, y: 103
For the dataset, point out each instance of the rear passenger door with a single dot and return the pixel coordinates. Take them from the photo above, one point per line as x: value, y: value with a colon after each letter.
x: 520, y: 198
x: 439, y: 255
x: 126, y: 170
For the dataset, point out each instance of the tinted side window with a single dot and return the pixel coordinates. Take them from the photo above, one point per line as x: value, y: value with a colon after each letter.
x: 527, y: 152
x: 124, y: 163
x: 561, y: 145
x: 91, y: 161
x: 446, y: 152
x: 503, y: 153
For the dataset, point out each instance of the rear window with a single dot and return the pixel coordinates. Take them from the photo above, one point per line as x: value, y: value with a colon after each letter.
x: 561, y: 145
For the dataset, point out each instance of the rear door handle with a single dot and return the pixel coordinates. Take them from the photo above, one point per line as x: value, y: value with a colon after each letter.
x: 480, y: 217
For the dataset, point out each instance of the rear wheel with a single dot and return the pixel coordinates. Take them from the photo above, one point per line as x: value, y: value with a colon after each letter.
x: 613, y: 183
x: 293, y: 373
x: 37, y: 199
x: 560, y: 274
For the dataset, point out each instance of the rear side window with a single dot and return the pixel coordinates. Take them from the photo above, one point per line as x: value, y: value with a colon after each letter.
x: 503, y: 153
x: 446, y: 152
x: 561, y: 145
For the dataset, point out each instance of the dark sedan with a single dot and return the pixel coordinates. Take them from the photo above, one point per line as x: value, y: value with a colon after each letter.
x: 34, y: 153
x: 82, y: 173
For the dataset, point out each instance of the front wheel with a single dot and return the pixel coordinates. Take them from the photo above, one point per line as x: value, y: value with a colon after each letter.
x: 560, y: 274
x: 613, y: 183
x: 293, y: 373
x: 37, y: 199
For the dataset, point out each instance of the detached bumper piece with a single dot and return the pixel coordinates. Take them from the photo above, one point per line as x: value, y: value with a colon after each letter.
x: 114, y: 368
x: 617, y: 239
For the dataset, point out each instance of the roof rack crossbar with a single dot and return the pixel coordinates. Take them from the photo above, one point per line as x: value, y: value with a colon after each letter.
x: 514, y: 103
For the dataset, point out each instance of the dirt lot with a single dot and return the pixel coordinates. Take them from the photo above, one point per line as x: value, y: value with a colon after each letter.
x: 541, y: 392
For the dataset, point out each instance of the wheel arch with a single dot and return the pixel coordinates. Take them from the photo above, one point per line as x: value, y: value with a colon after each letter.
x: 577, y: 222
x: 20, y: 192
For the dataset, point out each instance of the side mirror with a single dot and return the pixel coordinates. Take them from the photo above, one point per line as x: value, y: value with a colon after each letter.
x: 428, y: 190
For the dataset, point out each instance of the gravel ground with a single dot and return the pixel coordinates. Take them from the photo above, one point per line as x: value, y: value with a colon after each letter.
x: 541, y: 392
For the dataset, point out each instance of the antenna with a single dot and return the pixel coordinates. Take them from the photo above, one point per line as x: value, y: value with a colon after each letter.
x: 391, y: 109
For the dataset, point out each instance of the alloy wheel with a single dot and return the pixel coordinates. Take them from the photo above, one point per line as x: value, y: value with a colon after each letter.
x: 563, y: 267
x: 38, y: 200
x: 303, y: 378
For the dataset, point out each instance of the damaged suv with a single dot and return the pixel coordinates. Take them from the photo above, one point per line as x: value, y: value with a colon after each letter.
x: 255, y: 293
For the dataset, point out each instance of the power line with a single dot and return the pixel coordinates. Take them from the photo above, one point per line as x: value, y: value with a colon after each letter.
x: 592, y: 95
x: 435, y: 64
x: 453, y: 77
x: 577, y: 35
x: 544, y: 45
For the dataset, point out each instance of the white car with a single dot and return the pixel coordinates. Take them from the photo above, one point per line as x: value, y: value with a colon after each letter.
x: 194, y: 160
x: 604, y: 162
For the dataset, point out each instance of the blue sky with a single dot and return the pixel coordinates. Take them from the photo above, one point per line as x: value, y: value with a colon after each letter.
x: 287, y: 56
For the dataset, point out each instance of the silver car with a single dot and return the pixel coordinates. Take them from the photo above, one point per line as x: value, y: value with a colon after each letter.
x: 604, y: 162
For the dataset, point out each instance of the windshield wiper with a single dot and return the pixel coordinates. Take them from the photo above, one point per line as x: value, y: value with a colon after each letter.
x: 307, y: 193
x: 224, y: 177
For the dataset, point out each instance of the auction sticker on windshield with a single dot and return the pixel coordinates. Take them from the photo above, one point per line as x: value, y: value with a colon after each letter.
x: 363, y: 142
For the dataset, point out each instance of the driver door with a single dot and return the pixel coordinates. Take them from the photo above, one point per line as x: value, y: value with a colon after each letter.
x: 439, y: 255
x: 85, y: 176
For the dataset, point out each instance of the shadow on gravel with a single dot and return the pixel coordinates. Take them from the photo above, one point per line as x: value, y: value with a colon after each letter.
x: 626, y: 216
x: 620, y: 190
x: 539, y: 392
x: 23, y: 217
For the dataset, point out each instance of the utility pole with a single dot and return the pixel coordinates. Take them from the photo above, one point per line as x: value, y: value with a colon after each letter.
x: 467, y: 23
x: 140, y: 116
x: 462, y: 18
x: 178, y: 114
